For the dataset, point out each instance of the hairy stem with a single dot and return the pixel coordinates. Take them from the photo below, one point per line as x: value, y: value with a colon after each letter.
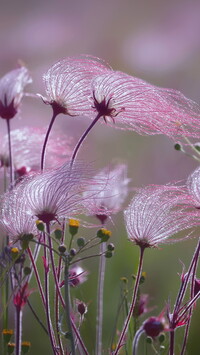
x: 83, y: 138
x: 99, y: 324
x: 18, y: 330
x: 134, y: 297
x: 46, y: 139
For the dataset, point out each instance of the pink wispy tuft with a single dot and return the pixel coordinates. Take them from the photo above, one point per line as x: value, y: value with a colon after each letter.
x: 56, y: 193
x: 15, y: 219
x: 67, y: 83
x: 155, y: 215
x: 27, y: 145
x: 11, y: 91
x: 110, y: 194
x: 130, y: 103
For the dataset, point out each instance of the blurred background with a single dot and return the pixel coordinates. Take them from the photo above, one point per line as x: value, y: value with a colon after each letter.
x: 155, y: 40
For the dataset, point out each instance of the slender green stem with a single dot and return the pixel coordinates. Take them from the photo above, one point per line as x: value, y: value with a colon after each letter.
x: 83, y: 138
x: 46, y: 139
x: 68, y: 307
x: 99, y: 323
x: 131, y: 309
x: 10, y: 155
x: 18, y: 330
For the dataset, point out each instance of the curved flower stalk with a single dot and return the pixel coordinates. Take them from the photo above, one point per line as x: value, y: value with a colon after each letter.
x: 107, y: 200
x: 152, y: 327
x: 152, y: 217
x: 110, y: 194
x: 131, y: 103
x: 67, y: 85
x: 27, y: 144
x: 11, y: 91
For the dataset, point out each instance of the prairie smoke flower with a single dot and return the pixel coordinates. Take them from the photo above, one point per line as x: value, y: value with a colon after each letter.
x: 193, y: 187
x: 131, y: 103
x: 152, y: 327
x: 56, y: 193
x: 15, y: 219
x: 154, y: 215
x: 67, y: 83
x: 11, y: 91
x: 110, y: 194
x: 27, y: 145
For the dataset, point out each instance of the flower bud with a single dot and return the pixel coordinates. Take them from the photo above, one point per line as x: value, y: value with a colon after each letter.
x: 80, y: 242
x: 73, y: 226
x: 153, y: 327
x: 40, y: 225
x: 82, y: 308
x: 103, y: 234
x: 108, y: 254
x: 111, y: 247
x: 25, y: 347
x: 177, y: 146
x: 62, y: 248
x: 72, y: 252
x: 14, y: 253
x: 7, y: 334
x: 10, y: 348
x: 58, y: 233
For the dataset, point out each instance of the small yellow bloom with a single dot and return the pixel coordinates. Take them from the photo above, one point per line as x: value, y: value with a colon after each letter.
x: 8, y: 331
x: 14, y: 251
x: 106, y: 232
x: 74, y: 223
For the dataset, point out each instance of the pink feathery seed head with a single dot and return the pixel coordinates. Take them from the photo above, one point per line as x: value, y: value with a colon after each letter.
x: 15, y: 219
x: 193, y: 187
x: 154, y: 215
x: 27, y: 145
x: 57, y: 193
x: 131, y: 103
x: 11, y: 91
x: 110, y: 194
x: 67, y: 84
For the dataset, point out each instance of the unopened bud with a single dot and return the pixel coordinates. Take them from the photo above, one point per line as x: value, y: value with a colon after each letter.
x: 40, y: 225
x: 10, y: 348
x: 177, y: 146
x: 72, y: 252
x: 25, y: 346
x: 111, y: 247
x: 58, y: 233
x: 108, y: 254
x: 161, y: 338
x: 74, y: 225
x: 82, y: 308
x: 7, y: 334
x: 153, y: 327
x: 80, y: 242
x: 104, y: 234
x: 62, y: 248
x: 14, y: 253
